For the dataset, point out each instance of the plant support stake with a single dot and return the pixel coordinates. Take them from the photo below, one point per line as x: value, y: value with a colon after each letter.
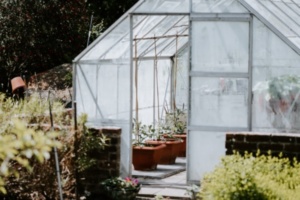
x: 55, y: 153
x: 76, y: 147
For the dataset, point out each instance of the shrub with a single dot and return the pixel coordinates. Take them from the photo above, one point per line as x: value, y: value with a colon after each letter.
x: 247, y: 177
x: 26, y: 142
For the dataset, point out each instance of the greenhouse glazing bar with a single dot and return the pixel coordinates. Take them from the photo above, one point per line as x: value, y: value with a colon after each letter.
x: 219, y: 74
x: 240, y: 17
x: 250, y: 74
x: 188, y: 165
x: 216, y: 128
x: 160, y: 13
x: 131, y: 88
x: 105, y: 61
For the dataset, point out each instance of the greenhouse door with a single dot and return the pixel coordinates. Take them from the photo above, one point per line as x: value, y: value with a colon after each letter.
x: 220, y: 75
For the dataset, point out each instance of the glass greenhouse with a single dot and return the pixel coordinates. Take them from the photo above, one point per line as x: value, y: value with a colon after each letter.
x: 231, y: 64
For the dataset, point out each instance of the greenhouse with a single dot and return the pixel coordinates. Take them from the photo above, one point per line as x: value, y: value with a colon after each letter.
x: 229, y: 65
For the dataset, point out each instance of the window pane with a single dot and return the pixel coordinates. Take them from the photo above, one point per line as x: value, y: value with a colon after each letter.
x: 219, y: 102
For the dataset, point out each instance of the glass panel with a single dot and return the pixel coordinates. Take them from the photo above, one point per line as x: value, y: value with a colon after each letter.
x: 182, y: 86
x: 296, y: 41
x: 205, y: 150
x: 294, y: 7
x: 147, y: 99
x: 285, y: 17
x: 164, y: 6
x: 103, y: 93
x: 289, y: 9
x: 220, y: 46
x: 85, y: 90
x: 273, y: 58
x: 120, y: 50
x: 170, y: 49
x: 162, y: 28
x: 218, y: 6
x: 113, y: 88
x: 118, y: 36
x: 271, y: 52
x: 219, y: 102
x: 271, y: 17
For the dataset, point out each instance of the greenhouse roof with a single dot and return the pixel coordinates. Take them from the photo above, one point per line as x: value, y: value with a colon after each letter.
x: 158, y: 23
x: 281, y: 16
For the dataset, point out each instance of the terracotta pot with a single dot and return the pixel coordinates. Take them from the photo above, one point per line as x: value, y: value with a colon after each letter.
x: 182, y: 151
x: 147, y: 157
x: 17, y: 83
x: 170, y: 152
x: 182, y: 146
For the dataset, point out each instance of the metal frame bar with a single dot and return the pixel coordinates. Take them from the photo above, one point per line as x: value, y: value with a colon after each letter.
x: 188, y: 164
x: 238, y: 17
x: 131, y: 91
x: 104, y: 61
x: 74, y: 82
x: 216, y: 128
x: 219, y: 74
x: 250, y: 72
x: 120, y: 61
x: 160, y: 13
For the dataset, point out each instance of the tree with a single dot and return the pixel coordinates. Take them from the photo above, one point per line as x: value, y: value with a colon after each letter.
x: 106, y: 12
x: 38, y: 35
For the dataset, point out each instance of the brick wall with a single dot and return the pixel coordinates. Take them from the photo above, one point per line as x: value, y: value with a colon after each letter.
x: 288, y: 144
x: 108, y: 164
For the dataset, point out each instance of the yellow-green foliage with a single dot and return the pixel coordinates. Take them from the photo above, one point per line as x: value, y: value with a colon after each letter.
x: 32, y: 110
x: 252, y: 178
x: 19, y: 143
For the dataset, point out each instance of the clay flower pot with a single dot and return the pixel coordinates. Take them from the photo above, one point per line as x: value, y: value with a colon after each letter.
x: 147, y: 157
x: 17, y: 83
x: 182, y: 151
x: 170, y: 152
x: 182, y: 146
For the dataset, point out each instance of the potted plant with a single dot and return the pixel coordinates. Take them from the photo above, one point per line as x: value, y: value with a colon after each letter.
x: 174, y: 126
x: 281, y: 93
x: 118, y: 188
x: 279, y: 97
x: 145, y: 156
x: 173, y: 144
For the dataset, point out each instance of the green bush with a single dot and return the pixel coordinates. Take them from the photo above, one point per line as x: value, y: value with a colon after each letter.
x: 27, y: 165
x: 248, y: 177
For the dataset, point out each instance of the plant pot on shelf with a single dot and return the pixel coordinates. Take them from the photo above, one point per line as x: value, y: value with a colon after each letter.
x: 147, y: 157
x: 182, y: 147
x: 170, y: 152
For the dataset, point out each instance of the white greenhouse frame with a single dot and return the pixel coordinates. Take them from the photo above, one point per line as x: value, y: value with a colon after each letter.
x: 227, y: 47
